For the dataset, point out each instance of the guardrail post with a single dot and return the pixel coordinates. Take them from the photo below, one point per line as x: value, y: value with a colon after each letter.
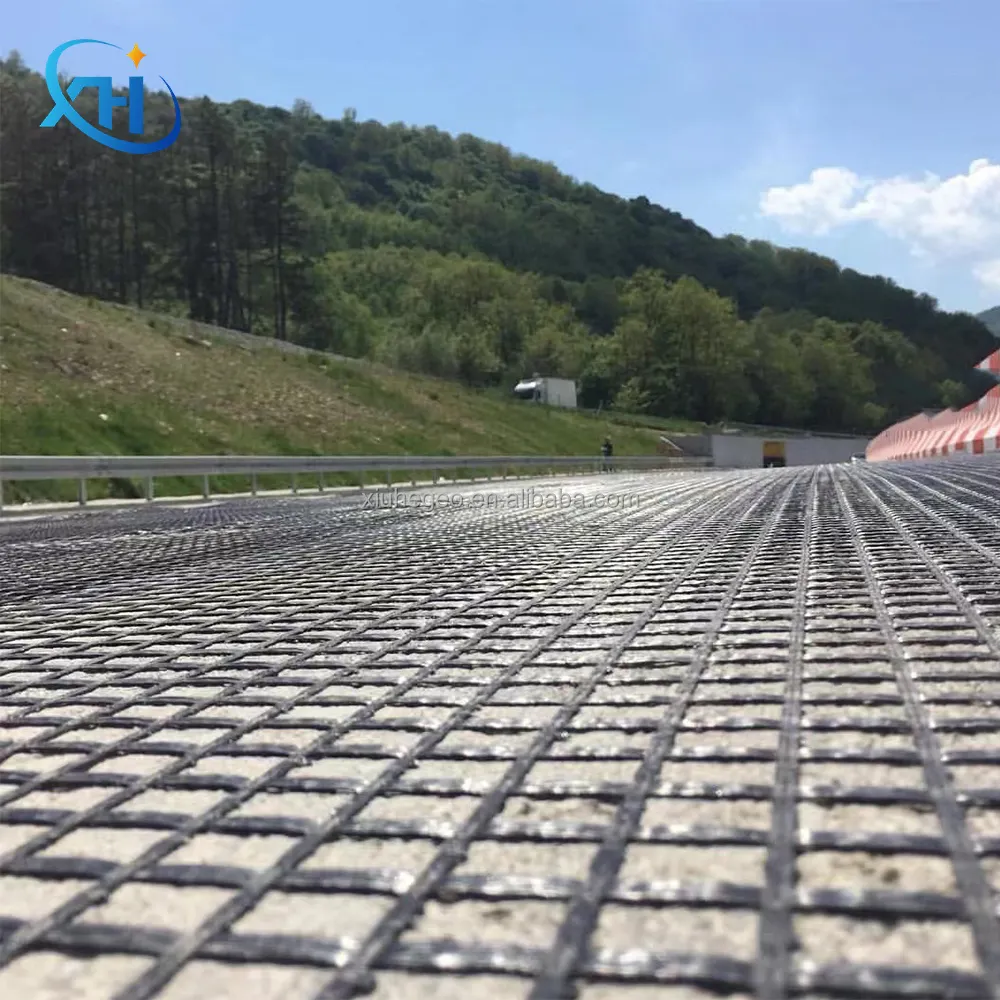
x: 253, y: 483
x: 503, y: 472
x: 149, y: 489
x: 204, y: 487
x: 320, y: 480
x: 295, y: 483
x: 388, y: 478
x: 361, y: 480
x: 82, y: 492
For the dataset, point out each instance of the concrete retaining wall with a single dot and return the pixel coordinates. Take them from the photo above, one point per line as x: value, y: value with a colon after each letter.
x: 740, y: 451
x: 698, y: 445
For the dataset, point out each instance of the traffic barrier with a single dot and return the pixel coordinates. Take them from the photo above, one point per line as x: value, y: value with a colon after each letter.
x: 972, y: 430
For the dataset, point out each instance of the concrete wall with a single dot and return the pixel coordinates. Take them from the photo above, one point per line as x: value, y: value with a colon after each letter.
x: 737, y: 451
x: 744, y: 451
x: 823, y: 450
x: 691, y: 444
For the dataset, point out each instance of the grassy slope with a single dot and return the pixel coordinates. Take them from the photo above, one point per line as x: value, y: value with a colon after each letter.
x: 67, y: 361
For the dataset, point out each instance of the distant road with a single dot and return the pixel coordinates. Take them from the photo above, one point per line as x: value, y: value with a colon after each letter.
x: 575, y: 731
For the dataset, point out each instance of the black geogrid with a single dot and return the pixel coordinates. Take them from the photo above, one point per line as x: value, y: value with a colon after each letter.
x: 901, y: 568
x: 170, y: 537
x: 299, y: 569
x: 35, y: 558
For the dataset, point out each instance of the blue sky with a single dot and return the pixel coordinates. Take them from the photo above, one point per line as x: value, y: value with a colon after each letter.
x: 719, y: 109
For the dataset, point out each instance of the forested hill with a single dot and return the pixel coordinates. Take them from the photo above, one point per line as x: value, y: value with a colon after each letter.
x: 456, y: 257
x: 991, y: 318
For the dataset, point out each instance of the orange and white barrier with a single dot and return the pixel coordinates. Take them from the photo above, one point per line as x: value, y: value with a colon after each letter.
x: 973, y: 430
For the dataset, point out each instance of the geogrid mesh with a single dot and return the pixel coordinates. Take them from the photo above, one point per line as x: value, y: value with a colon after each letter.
x: 742, y: 738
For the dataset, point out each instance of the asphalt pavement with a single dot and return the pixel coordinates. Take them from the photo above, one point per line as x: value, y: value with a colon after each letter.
x: 632, y: 735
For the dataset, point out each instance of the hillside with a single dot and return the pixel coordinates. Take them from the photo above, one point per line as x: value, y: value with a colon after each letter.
x: 81, y: 377
x: 991, y: 320
x: 455, y: 257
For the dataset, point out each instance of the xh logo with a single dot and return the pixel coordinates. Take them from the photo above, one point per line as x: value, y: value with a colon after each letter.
x: 107, y: 101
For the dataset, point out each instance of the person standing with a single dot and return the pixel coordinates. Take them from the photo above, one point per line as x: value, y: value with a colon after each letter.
x: 607, y: 450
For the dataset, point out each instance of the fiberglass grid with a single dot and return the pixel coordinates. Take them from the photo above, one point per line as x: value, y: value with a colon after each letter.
x: 513, y: 542
x: 297, y: 518
x: 973, y: 566
x: 445, y: 859
x: 880, y: 549
x: 404, y: 957
x: 291, y: 524
x: 362, y: 588
x: 164, y: 517
x: 592, y: 925
x: 961, y: 495
x: 224, y: 513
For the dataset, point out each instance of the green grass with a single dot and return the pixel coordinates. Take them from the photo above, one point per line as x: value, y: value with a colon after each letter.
x: 82, y: 377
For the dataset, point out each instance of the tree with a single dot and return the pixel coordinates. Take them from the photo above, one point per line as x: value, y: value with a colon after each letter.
x: 453, y: 255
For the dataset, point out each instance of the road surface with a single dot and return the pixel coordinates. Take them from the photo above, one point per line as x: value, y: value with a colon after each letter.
x: 683, y: 733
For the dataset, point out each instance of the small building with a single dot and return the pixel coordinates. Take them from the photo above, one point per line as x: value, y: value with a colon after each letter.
x: 732, y: 449
x: 550, y: 391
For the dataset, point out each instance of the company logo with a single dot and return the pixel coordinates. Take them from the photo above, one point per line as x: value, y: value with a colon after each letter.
x: 106, y: 103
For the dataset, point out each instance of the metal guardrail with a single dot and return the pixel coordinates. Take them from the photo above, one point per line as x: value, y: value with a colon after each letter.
x: 150, y: 467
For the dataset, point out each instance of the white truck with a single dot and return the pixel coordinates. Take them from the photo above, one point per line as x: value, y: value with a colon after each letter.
x: 551, y: 391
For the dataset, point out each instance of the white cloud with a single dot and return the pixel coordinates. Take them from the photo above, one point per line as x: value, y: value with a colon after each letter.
x: 954, y: 218
x: 987, y: 272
